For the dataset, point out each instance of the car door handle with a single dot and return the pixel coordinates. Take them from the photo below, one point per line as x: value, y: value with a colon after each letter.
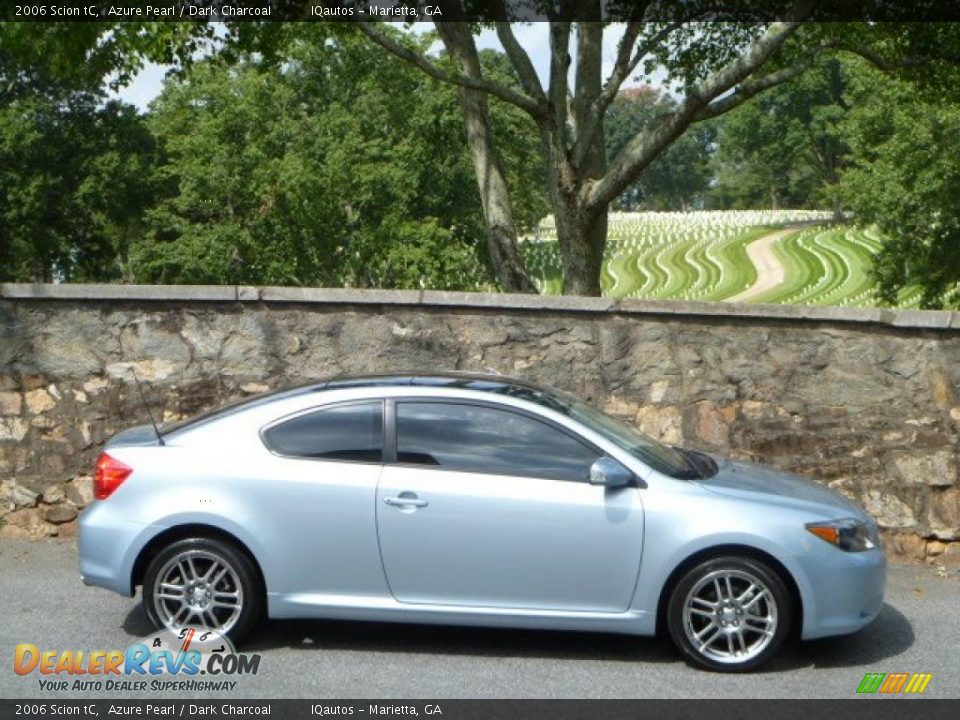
x: 401, y: 501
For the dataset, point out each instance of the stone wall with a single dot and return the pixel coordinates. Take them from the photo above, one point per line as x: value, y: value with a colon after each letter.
x: 865, y: 400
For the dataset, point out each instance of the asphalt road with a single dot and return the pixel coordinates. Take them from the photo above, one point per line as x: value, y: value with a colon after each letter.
x: 42, y: 601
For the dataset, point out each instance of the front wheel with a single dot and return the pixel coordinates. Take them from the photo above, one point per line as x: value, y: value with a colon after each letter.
x: 729, y: 614
x: 203, y: 582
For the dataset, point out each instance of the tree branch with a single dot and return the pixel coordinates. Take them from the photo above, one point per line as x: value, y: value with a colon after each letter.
x: 880, y: 62
x: 647, y: 145
x: 624, y: 65
x: 534, y: 108
x: 559, y: 90
x: 521, y: 62
x: 752, y: 88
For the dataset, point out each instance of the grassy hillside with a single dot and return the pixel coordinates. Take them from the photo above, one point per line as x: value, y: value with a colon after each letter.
x: 702, y: 256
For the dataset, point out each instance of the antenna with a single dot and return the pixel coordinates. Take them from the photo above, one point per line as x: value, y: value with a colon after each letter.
x: 147, y: 406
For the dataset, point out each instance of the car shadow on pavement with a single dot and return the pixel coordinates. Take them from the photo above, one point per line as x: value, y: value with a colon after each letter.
x: 888, y: 636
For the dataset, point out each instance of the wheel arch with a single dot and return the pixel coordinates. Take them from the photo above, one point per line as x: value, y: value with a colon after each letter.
x: 189, y: 530
x: 731, y: 549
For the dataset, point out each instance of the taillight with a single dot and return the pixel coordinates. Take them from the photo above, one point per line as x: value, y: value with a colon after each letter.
x: 109, y: 476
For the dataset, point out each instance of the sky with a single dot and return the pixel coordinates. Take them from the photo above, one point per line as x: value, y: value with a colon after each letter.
x: 532, y: 36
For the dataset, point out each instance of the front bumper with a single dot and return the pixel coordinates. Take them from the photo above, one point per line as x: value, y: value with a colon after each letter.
x: 845, y: 591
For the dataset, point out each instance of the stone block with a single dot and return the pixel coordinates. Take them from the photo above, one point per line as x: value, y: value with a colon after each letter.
x: 906, y: 546
x: 713, y: 423
x: 931, y: 468
x: 53, y: 494
x: 58, y: 514
x: 663, y: 422
x: 13, y: 428
x: 941, y: 388
x: 950, y: 556
x: 889, y: 510
x: 945, y: 514
x: 10, y: 403
x: 80, y: 490
x: 32, y: 521
x: 15, y: 495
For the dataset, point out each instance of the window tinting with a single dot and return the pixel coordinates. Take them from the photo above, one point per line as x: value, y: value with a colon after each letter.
x: 345, y: 432
x: 475, y: 438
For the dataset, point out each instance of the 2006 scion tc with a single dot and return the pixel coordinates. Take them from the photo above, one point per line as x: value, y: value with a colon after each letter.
x: 472, y: 500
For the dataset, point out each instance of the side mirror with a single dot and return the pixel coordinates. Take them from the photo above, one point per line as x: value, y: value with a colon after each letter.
x: 608, y: 472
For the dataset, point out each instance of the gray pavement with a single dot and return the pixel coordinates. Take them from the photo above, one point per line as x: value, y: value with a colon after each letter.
x: 42, y: 601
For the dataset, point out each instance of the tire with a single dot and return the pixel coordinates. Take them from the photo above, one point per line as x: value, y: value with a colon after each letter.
x: 729, y: 614
x: 222, y: 590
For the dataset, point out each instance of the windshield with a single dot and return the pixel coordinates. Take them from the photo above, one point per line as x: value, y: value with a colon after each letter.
x: 662, y: 458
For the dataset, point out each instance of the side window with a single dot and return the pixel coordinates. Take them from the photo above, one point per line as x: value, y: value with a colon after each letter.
x: 480, y: 439
x: 344, y: 432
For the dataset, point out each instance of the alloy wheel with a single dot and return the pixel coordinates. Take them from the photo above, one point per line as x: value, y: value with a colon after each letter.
x: 730, y: 616
x: 197, y: 587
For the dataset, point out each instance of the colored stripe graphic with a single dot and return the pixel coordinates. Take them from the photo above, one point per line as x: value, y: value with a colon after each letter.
x: 871, y: 682
x: 893, y: 683
x: 918, y: 683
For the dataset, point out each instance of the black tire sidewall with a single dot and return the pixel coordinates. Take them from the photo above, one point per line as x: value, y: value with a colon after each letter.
x: 237, y: 559
x: 757, y: 567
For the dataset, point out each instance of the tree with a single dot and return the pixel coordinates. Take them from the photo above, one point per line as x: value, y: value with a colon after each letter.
x: 74, y: 175
x: 715, y: 66
x: 904, y: 179
x: 679, y: 178
x: 322, y: 171
x: 719, y: 66
x: 786, y: 148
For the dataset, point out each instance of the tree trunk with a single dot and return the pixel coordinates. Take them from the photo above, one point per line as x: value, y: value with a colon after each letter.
x: 582, y: 237
x: 837, y: 210
x: 491, y: 179
x: 581, y: 232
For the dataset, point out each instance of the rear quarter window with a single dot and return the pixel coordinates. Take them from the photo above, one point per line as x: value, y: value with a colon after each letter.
x: 344, y: 432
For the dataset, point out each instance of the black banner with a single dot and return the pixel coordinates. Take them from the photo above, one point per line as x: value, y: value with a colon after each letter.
x: 477, y: 10
x: 856, y: 709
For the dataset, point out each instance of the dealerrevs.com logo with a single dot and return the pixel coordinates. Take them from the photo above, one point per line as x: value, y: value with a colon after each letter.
x: 190, y: 659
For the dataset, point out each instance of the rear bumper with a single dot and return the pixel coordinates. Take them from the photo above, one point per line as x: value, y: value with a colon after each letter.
x: 846, y: 591
x: 108, y: 547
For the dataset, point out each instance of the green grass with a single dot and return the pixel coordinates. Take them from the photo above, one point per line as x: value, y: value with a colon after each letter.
x: 702, y: 256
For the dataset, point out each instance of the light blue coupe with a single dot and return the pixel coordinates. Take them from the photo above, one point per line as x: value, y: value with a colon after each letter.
x: 472, y: 500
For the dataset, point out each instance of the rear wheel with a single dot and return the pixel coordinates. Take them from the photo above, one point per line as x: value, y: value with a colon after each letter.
x: 730, y: 614
x: 203, y: 582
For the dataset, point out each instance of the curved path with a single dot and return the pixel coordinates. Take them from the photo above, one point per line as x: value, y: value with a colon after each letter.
x: 770, y: 272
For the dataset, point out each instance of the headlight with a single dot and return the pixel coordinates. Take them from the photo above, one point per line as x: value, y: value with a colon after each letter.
x: 849, y: 534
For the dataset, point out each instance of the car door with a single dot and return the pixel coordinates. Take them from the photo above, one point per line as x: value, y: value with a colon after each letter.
x: 316, y: 508
x: 489, y: 506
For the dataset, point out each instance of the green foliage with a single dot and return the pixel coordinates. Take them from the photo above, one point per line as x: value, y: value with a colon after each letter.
x: 323, y: 161
x: 678, y: 179
x: 334, y: 169
x: 74, y: 178
x: 84, y: 54
x: 785, y: 148
x: 905, y: 179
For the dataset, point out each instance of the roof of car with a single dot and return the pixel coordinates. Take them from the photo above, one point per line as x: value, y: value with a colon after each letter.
x: 495, y: 384
x: 465, y: 380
